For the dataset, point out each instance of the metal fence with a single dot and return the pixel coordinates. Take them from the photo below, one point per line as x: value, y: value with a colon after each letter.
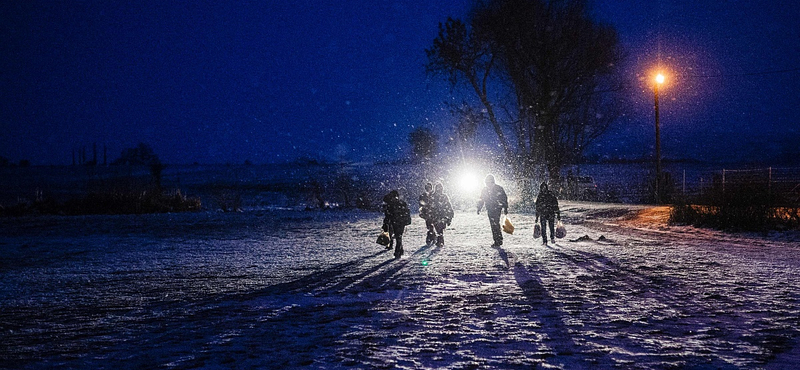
x: 634, y: 182
x: 780, y: 185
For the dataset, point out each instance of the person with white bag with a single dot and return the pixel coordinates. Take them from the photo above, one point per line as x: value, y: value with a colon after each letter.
x: 547, y: 210
x: 494, y: 197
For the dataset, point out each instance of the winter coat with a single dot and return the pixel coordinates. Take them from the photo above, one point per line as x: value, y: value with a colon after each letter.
x: 425, y: 204
x: 441, y: 209
x: 547, y: 205
x: 494, y: 198
x: 396, y: 210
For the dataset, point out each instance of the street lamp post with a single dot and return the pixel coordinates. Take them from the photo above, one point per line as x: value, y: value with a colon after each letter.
x: 659, y: 81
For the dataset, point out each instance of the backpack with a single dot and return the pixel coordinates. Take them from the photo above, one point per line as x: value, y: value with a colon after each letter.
x: 404, y: 214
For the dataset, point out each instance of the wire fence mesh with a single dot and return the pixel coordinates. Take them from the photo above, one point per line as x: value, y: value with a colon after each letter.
x: 634, y: 183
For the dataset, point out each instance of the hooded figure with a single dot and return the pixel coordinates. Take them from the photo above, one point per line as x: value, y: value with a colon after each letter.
x: 494, y: 198
x: 425, y: 206
x: 441, y: 212
x: 396, y: 217
x: 547, y: 210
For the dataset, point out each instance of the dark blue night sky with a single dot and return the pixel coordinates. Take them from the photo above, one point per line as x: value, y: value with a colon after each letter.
x: 270, y: 81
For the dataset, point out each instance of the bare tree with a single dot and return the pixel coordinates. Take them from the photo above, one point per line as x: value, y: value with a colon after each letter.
x: 558, y: 65
x: 459, y: 55
x: 466, y: 128
x: 142, y: 154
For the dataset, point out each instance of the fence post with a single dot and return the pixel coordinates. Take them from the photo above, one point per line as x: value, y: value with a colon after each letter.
x: 723, y: 181
x: 684, y: 183
x: 769, y: 184
x: 701, y: 188
x: 769, y: 188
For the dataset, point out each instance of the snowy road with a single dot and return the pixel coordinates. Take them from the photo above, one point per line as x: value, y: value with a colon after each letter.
x: 312, y: 290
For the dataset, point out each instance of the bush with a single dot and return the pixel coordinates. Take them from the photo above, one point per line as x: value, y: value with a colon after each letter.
x: 132, y: 202
x: 228, y: 200
x: 737, y: 209
x: 108, y: 202
x: 140, y: 155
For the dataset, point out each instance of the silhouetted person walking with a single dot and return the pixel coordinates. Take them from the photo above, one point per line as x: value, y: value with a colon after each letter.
x: 396, y: 217
x: 441, y: 212
x: 547, y: 210
x: 494, y: 198
x: 425, y: 205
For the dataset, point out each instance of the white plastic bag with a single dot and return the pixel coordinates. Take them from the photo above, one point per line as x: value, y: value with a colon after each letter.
x: 561, y: 231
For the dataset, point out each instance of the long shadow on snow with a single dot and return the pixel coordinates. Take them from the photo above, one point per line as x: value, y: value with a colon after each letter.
x: 504, y: 256
x: 386, y: 280
x: 309, y: 329
x: 432, y: 251
x: 319, y: 280
x: 289, y: 325
x: 611, y: 291
x: 544, y: 307
x: 346, y: 277
x: 283, y: 326
x: 374, y: 283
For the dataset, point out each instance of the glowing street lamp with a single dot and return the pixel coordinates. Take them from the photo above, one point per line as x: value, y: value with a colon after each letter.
x: 659, y: 80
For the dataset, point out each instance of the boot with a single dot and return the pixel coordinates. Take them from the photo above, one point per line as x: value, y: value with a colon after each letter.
x: 440, y: 241
x: 398, y: 250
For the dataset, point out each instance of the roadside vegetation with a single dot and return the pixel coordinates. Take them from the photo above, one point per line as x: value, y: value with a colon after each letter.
x: 739, y: 207
x: 112, y: 201
x: 126, y: 195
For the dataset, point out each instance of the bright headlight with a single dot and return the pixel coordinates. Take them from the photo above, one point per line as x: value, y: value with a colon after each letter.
x: 469, y: 182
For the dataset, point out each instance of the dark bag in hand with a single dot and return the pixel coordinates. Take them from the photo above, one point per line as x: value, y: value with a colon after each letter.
x: 383, y: 239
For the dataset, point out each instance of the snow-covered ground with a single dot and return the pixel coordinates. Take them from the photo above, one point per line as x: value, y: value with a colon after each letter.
x: 293, y: 289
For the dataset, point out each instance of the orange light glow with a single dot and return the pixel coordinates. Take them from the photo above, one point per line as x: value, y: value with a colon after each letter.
x: 660, y: 78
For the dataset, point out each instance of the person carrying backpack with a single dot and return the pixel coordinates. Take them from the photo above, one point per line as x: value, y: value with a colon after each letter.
x: 425, y: 205
x: 441, y: 212
x: 396, y: 217
x: 547, y: 209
